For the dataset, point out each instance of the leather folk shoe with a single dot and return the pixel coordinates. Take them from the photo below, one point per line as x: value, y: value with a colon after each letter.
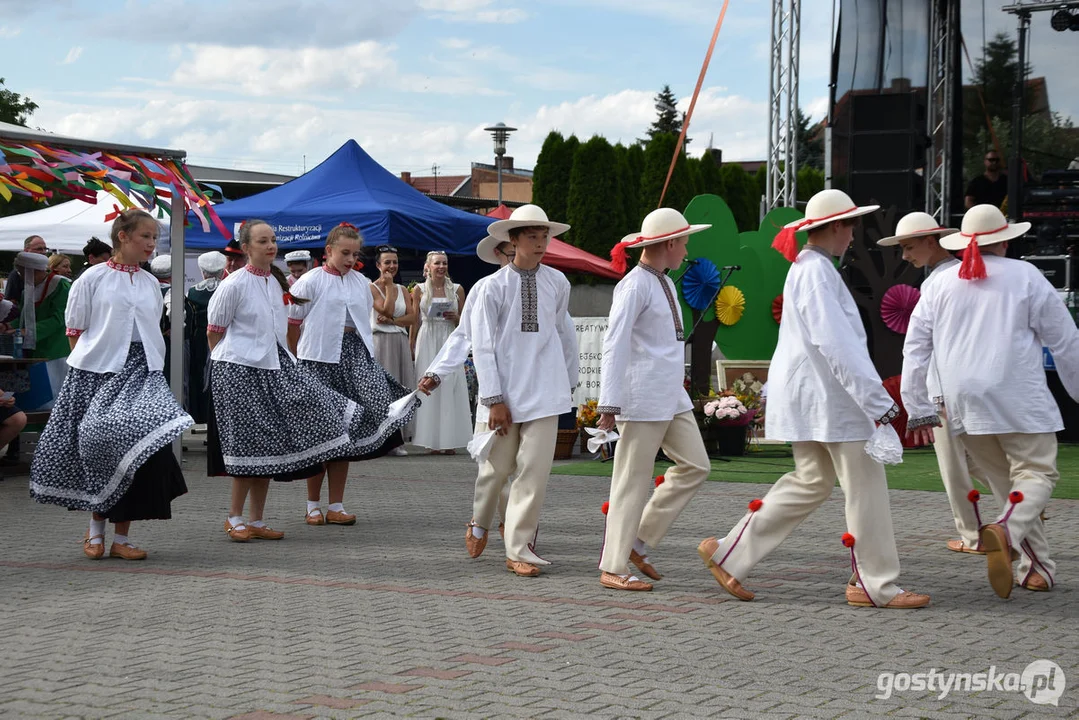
x: 641, y: 561
x: 519, y: 567
x: 1036, y: 583
x: 998, y: 557
x: 237, y: 533
x: 473, y: 544
x: 706, y: 550
x: 93, y: 550
x: 340, y: 517
x: 315, y: 517
x: 857, y: 597
x: 127, y: 551
x: 265, y: 532
x: 629, y: 582
x: 957, y: 545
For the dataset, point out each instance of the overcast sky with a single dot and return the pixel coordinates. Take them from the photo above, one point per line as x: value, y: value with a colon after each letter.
x: 259, y: 84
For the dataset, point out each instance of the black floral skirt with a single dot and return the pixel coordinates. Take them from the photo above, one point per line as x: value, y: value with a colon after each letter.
x: 106, y: 447
x: 360, y: 378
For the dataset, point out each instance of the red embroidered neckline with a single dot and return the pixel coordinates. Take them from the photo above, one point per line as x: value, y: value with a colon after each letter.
x: 332, y: 271
x: 121, y: 267
x: 255, y: 271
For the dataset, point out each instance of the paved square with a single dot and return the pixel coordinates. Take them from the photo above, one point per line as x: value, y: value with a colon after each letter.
x: 391, y: 618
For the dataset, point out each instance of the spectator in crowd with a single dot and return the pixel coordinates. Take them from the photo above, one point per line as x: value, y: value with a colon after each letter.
x: 299, y: 262
x: 12, y: 421
x: 43, y: 304
x: 989, y: 188
x: 13, y: 289
x: 212, y: 265
x: 96, y: 252
x: 235, y: 258
x: 60, y: 264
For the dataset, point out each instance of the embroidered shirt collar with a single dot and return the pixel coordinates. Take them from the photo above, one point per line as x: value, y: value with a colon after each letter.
x: 522, y: 271
x: 121, y: 267
x: 649, y: 268
x: 256, y: 271
x: 332, y: 271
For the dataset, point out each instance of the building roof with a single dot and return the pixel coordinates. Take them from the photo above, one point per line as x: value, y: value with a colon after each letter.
x: 441, y: 185
x: 202, y: 173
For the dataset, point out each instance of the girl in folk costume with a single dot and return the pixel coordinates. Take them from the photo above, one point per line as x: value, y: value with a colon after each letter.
x: 642, y: 371
x: 918, y: 234
x: 267, y: 418
x: 984, y: 324
x: 825, y: 398
x: 392, y: 314
x: 331, y: 336
x: 445, y: 423
x: 106, y: 447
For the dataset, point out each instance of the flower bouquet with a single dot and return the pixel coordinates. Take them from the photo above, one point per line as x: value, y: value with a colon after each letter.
x: 587, y: 417
x: 727, y: 411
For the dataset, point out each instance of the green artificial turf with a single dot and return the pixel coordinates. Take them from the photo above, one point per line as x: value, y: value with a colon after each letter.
x: 918, y: 470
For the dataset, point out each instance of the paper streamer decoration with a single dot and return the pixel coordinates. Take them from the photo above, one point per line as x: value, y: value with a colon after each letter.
x: 777, y: 309
x: 44, y: 172
x: 897, y: 305
x: 730, y: 305
x: 700, y: 283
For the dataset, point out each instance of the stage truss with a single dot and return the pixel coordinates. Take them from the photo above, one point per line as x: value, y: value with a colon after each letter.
x: 781, y: 187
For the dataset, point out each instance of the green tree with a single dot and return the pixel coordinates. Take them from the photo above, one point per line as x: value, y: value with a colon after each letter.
x: 668, y: 119
x: 15, y: 108
x: 594, y: 184
x: 810, y: 150
x: 631, y: 187
x: 810, y: 182
x: 711, y: 180
x: 550, y: 179
x: 996, y: 74
x: 1049, y: 142
x: 657, y: 162
x: 741, y: 196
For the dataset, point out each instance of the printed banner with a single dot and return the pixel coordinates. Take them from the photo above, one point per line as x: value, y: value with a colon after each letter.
x: 590, y: 332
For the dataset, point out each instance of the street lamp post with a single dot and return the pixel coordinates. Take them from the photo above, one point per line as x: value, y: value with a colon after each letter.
x: 500, y: 132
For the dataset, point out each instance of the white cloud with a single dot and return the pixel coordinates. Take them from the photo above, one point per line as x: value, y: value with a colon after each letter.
x: 473, y: 11
x: 72, y: 55
x: 455, y: 43
x: 8, y: 32
x: 454, y: 6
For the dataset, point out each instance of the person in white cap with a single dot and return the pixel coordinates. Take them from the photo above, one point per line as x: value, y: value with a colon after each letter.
x: 918, y: 235
x: 641, y: 388
x: 525, y: 349
x: 825, y: 398
x: 299, y: 262
x: 455, y: 352
x: 212, y: 266
x: 984, y: 324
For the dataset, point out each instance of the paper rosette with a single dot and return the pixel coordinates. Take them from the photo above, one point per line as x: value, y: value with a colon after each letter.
x: 777, y: 308
x: 897, y: 305
x: 699, y: 284
x: 730, y: 304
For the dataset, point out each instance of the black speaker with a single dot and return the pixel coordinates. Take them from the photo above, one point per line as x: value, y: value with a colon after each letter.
x: 903, y: 189
x: 887, y: 146
x: 888, y: 112
x: 885, y: 151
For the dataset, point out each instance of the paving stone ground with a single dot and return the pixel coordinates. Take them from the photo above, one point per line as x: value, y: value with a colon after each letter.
x: 391, y: 618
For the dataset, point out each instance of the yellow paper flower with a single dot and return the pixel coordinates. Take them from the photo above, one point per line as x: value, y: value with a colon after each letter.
x: 730, y: 304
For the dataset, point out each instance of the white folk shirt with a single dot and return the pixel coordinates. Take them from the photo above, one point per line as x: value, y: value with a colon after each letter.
x: 108, y: 306
x: 932, y: 380
x: 987, y: 337
x: 822, y: 386
x: 643, y: 369
x: 524, y: 344
x: 454, y: 351
x: 337, y: 302
x: 249, y: 308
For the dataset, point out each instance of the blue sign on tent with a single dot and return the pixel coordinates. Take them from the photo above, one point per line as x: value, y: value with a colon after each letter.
x: 349, y: 186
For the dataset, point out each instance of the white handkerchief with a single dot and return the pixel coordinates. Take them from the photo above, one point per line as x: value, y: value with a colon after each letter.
x: 398, y: 408
x: 884, y: 446
x: 479, y: 447
x: 599, y: 438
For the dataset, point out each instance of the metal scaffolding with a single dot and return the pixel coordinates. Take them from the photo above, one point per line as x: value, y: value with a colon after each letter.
x: 781, y: 188
x: 943, y: 37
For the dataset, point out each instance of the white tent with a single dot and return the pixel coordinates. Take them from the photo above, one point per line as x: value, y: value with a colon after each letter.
x: 66, y: 227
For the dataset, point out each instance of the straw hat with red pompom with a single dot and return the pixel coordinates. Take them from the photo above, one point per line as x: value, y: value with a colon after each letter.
x: 982, y: 225
x: 658, y: 226
x: 825, y: 207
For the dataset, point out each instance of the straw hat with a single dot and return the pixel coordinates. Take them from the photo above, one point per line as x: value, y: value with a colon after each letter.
x: 915, y: 225
x: 825, y: 207
x: 524, y: 216
x: 485, y: 251
x: 658, y: 226
x: 982, y: 225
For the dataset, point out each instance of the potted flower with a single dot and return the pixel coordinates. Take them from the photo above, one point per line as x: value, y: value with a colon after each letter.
x: 587, y: 417
x: 728, y: 419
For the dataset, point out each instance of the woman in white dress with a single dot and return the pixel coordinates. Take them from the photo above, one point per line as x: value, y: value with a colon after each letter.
x: 392, y: 314
x: 444, y: 421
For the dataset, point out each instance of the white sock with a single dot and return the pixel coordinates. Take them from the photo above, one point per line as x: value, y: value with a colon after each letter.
x: 119, y: 539
x: 313, y: 505
x: 478, y: 532
x: 639, y: 547
x: 337, y: 507
x: 257, y: 523
x: 97, y: 527
x: 236, y: 520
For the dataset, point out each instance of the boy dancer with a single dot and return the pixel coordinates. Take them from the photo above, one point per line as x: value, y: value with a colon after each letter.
x: 525, y: 349
x: 985, y: 323
x: 918, y: 235
x: 641, y: 387
x: 824, y: 398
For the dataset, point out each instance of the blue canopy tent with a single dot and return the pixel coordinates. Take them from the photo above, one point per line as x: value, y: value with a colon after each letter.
x: 349, y: 186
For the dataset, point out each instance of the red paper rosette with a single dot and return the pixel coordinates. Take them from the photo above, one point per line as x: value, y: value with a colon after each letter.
x: 777, y: 308
x: 897, y: 305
